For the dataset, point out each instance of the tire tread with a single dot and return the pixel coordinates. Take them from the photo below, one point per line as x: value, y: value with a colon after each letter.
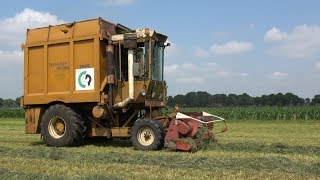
x: 72, y: 119
x: 158, y: 130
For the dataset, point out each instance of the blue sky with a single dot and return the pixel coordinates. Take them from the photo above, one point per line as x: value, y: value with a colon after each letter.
x: 254, y: 47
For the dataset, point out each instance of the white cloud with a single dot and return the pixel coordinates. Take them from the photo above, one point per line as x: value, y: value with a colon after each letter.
x: 189, y: 66
x: 244, y: 74
x: 200, y: 52
x: 317, y: 66
x: 13, y: 29
x: 190, y: 80
x: 171, y: 68
x: 279, y: 75
x: 228, y: 48
x: 252, y: 26
x: 231, y: 47
x: 11, y: 57
x: 118, y: 2
x: 222, y: 73
x: 12, y: 34
x: 32, y: 18
x: 213, y: 69
x: 196, y: 73
x: 172, y: 50
x: 182, y: 68
x: 212, y: 64
x: 221, y: 35
x: 275, y: 34
x: 302, y: 42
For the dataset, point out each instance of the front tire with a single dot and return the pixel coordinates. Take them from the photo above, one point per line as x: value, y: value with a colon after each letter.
x: 147, y: 134
x: 62, y: 126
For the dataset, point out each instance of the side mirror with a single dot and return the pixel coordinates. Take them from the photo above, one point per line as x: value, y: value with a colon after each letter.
x: 168, y: 44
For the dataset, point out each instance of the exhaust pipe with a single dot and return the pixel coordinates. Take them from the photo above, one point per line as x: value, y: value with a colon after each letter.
x: 110, y: 74
x: 125, y: 102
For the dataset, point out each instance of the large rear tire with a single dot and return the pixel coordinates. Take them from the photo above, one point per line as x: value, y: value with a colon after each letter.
x: 147, y: 134
x: 62, y: 126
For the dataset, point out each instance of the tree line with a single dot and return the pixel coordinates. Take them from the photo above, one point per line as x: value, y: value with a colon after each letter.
x: 204, y: 99
x: 10, y: 103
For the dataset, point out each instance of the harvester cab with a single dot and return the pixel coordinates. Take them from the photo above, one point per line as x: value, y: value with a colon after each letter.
x: 95, y: 78
x: 136, y: 66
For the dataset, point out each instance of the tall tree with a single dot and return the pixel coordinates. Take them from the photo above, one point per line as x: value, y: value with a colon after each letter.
x: 203, y: 98
x: 307, y: 101
x: 245, y: 100
x: 1, y: 102
x: 232, y: 100
x: 9, y: 103
x: 316, y: 99
x: 17, y: 101
x: 170, y: 101
x: 179, y: 100
x: 191, y: 99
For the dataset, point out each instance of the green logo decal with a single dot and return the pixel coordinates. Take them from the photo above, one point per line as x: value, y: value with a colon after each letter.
x: 84, y: 79
x: 79, y: 79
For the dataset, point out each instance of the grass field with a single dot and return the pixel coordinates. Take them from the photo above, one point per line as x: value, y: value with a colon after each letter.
x: 250, y: 150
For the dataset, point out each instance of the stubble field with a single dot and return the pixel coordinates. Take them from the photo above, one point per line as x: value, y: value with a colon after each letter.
x: 252, y: 149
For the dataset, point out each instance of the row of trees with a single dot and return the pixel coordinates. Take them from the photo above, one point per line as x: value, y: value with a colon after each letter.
x: 204, y: 99
x: 9, y: 103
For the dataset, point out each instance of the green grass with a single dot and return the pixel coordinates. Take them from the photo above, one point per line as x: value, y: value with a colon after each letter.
x: 250, y: 150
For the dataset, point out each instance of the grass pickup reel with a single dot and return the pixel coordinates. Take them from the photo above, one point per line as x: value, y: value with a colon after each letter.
x: 185, y: 130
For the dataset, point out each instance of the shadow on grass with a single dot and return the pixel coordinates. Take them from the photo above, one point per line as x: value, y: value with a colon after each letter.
x: 280, y: 148
x: 97, y: 141
x: 38, y: 143
x: 108, y: 142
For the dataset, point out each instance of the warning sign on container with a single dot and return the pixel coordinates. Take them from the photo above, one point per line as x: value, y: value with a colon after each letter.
x: 84, y: 79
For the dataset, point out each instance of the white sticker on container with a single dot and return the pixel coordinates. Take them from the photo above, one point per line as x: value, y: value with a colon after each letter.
x: 84, y: 79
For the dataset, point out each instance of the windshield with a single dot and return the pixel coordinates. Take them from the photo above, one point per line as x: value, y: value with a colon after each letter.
x: 157, y: 61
